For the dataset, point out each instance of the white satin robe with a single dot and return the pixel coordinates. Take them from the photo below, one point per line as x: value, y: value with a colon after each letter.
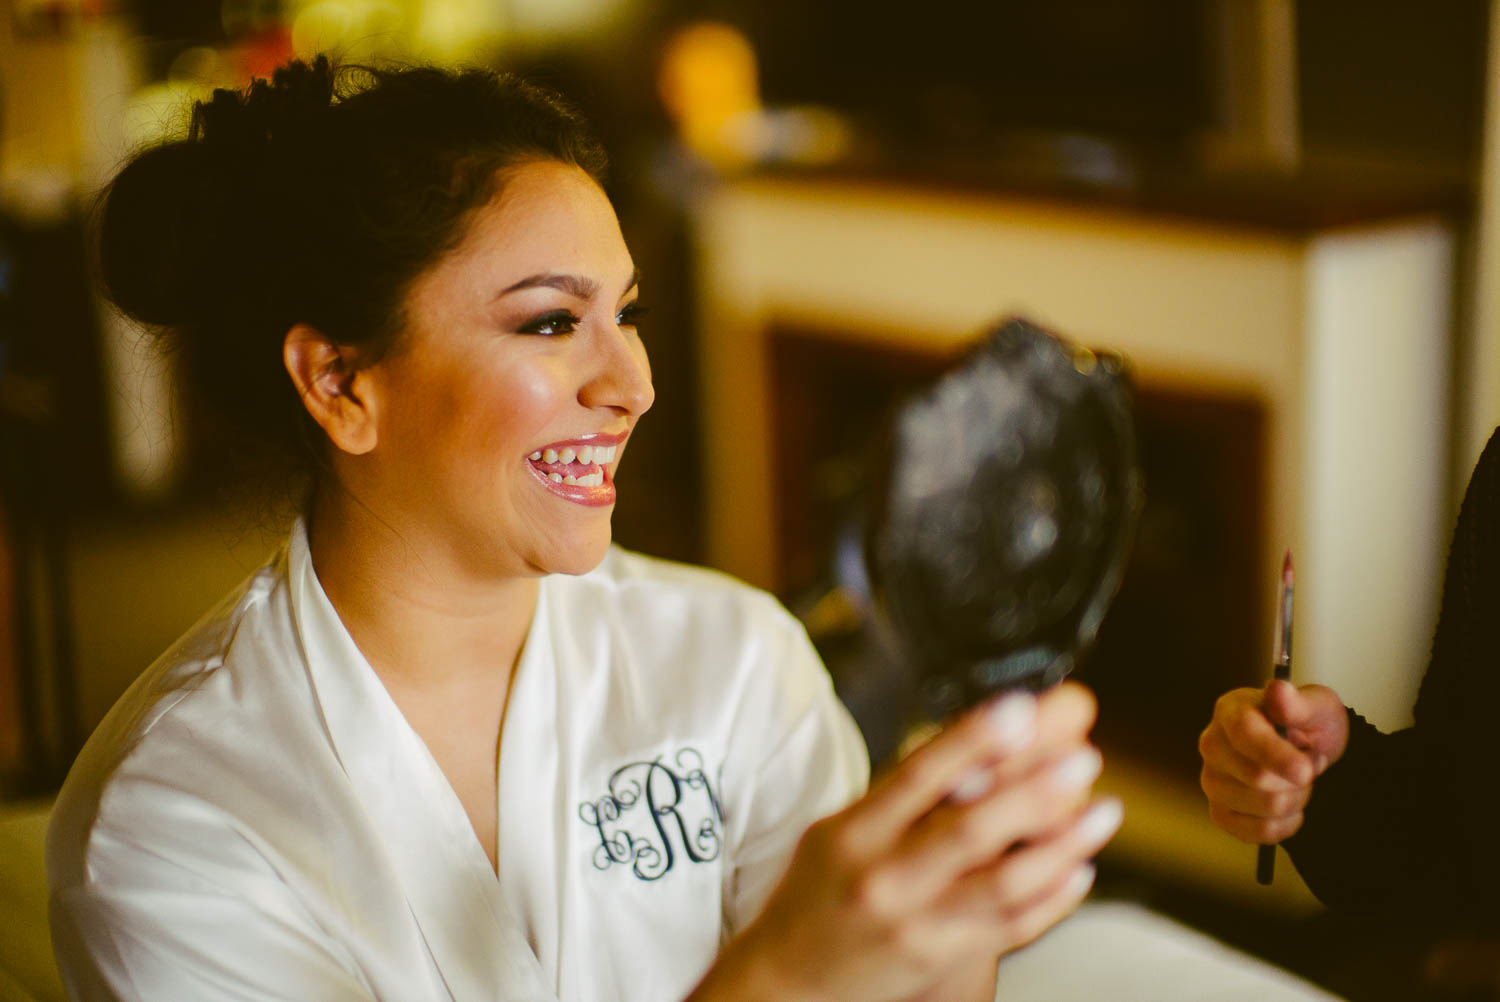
x: 256, y: 820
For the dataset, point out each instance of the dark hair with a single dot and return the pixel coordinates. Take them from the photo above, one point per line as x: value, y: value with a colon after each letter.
x: 316, y: 198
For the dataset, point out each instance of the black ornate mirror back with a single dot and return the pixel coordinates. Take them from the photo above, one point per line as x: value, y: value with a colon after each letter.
x: 1003, y: 520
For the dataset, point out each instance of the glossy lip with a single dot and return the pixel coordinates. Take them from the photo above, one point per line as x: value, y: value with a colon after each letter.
x: 591, y: 497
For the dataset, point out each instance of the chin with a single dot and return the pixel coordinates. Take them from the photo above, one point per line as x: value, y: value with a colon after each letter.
x: 578, y: 559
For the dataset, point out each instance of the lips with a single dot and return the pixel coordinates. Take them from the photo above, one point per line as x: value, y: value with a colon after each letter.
x: 578, y: 470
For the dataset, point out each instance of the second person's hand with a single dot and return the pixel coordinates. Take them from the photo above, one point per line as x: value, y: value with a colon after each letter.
x: 1257, y: 781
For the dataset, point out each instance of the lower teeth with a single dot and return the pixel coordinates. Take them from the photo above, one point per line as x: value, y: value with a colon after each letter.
x: 587, y: 480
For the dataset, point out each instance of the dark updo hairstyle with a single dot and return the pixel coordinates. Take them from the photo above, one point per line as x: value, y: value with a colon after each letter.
x: 316, y: 198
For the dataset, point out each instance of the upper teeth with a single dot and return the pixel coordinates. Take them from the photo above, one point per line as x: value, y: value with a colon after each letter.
x: 594, y: 456
x: 601, y: 454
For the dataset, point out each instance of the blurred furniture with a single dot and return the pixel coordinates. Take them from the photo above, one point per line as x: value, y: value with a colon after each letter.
x: 54, y: 464
x: 1120, y: 951
x: 1291, y: 336
x: 27, y: 971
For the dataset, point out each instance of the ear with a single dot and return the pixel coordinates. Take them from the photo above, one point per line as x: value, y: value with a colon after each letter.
x: 332, y: 388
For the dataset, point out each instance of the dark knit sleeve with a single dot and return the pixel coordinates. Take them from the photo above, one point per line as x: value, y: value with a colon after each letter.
x: 1404, y: 824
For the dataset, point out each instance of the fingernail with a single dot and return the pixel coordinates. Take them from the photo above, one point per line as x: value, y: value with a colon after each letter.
x: 1079, y: 769
x: 975, y: 784
x: 1081, y: 880
x: 1012, y: 718
x: 1101, y: 821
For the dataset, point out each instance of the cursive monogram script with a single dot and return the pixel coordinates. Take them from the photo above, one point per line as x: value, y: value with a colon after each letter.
x: 655, y: 812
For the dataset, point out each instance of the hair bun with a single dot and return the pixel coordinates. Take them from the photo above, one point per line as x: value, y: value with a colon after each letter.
x: 243, y: 123
x: 180, y: 219
x: 153, y: 232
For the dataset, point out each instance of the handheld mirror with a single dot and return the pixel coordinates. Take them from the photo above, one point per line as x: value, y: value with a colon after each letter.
x: 1002, y: 525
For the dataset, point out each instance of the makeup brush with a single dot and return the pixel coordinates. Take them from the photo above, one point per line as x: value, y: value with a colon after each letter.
x: 1281, y: 667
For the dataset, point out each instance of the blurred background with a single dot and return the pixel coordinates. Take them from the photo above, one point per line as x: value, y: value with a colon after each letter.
x: 1282, y: 213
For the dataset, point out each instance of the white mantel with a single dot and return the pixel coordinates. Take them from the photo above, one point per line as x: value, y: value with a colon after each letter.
x: 1344, y: 334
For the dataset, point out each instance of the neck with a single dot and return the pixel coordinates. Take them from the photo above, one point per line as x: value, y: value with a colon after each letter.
x: 423, y: 623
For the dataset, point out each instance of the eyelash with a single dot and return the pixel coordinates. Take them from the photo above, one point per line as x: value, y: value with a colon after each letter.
x: 549, y: 324
x: 631, y: 314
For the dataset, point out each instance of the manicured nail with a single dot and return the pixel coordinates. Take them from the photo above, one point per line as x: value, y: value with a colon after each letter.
x: 975, y: 784
x: 1079, y: 769
x: 1013, y: 719
x: 1101, y: 821
x: 1081, y: 880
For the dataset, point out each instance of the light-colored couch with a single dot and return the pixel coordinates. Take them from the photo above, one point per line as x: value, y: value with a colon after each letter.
x: 27, y: 972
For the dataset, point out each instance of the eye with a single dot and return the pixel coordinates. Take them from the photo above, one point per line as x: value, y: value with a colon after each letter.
x: 552, y: 324
x: 631, y: 314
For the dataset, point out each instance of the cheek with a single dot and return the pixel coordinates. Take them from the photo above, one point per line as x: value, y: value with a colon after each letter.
x: 512, y: 412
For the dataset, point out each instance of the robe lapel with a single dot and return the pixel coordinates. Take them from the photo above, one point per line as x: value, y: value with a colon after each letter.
x: 477, y: 945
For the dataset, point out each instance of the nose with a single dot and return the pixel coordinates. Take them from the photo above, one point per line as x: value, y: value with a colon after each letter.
x: 622, y: 378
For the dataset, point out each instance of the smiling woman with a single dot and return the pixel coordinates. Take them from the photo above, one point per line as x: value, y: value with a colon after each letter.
x: 451, y: 742
x: 523, y: 362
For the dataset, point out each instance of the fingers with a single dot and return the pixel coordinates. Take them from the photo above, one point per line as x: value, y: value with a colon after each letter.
x: 958, y: 837
x: 1018, y: 926
x: 1003, y: 739
x: 1304, y: 708
x: 1065, y: 715
x: 1257, y: 782
x: 1247, y: 730
x: 930, y: 773
x: 1230, y: 793
x: 1220, y: 756
x: 1283, y: 705
x: 1248, y: 828
x: 1027, y: 874
x: 1313, y: 717
x: 1042, y: 915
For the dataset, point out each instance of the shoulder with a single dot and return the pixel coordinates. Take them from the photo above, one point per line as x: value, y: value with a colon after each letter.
x: 177, y: 733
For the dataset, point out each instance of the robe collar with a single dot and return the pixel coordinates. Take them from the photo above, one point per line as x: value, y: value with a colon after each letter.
x: 478, y: 946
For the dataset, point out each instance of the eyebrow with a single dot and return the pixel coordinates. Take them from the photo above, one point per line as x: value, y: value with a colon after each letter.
x: 574, y: 285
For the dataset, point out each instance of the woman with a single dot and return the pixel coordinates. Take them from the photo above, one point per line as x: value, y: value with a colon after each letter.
x: 450, y: 743
x: 1398, y: 826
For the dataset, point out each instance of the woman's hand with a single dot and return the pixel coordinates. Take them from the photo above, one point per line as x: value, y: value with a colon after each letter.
x: 975, y: 844
x: 1257, y: 781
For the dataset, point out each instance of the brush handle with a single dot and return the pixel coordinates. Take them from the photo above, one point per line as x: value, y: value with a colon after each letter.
x: 1265, y: 864
x: 1265, y: 858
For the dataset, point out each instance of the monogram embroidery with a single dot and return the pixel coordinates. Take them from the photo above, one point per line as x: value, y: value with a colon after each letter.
x: 652, y: 812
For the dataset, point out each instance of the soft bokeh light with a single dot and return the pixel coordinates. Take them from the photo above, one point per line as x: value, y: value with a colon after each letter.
x: 708, y: 80
x: 355, y: 29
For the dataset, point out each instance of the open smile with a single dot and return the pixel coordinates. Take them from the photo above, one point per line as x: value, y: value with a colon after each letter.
x: 579, y: 470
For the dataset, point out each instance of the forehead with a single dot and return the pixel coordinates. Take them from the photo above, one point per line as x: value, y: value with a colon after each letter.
x: 547, y: 217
